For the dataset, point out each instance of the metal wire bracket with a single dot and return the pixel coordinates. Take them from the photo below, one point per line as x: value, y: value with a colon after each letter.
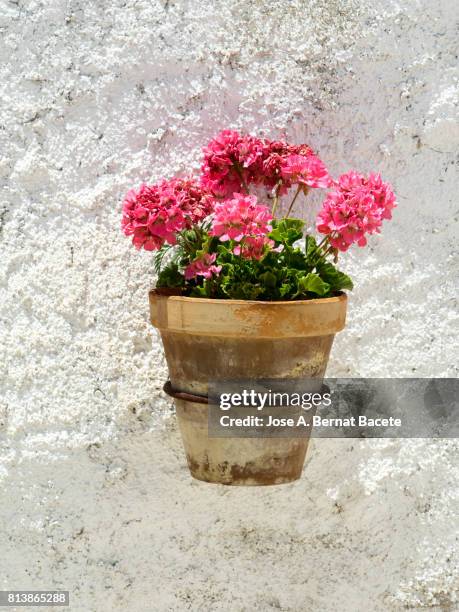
x: 184, y: 395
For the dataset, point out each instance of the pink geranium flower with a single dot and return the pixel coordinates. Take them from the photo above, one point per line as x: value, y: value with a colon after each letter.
x: 245, y: 221
x: 202, y: 266
x: 309, y: 171
x: 154, y: 214
x: 253, y: 247
x: 239, y: 217
x: 195, y: 202
x: 356, y: 208
x: 275, y: 154
x: 230, y: 160
x: 233, y: 161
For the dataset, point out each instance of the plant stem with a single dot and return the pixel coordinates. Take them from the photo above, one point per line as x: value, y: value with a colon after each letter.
x: 293, y: 201
x: 276, y: 197
x: 320, y: 253
x: 331, y: 251
x: 237, y: 167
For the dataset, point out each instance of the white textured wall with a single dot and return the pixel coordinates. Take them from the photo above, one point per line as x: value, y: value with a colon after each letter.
x: 97, y: 95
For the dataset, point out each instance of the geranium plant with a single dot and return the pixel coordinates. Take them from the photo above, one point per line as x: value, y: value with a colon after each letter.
x: 214, y: 238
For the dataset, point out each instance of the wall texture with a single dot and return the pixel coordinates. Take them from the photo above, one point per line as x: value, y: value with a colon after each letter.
x: 96, y: 96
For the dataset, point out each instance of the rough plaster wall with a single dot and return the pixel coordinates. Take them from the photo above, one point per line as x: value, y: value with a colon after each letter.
x: 96, y: 499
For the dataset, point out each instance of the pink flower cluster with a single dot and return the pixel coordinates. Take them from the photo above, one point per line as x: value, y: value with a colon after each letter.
x: 356, y: 207
x: 154, y: 214
x: 230, y: 160
x: 286, y: 165
x: 307, y: 171
x: 233, y: 161
x: 202, y: 266
x: 246, y: 222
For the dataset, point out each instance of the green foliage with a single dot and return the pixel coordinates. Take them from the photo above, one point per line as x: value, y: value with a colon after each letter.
x: 312, y: 283
x: 336, y: 279
x: 287, y: 231
x: 171, y: 277
x: 287, y: 272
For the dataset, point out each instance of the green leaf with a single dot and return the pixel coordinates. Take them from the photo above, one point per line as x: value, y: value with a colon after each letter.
x: 285, y: 289
x: 170, y: 277
x: 199, y: 292
x: 190, y: 235
x: 336, y: 279
x: 312, y: 283
x: 224, y: 253
x: 206, y: 289
x: 295, y: 258
x: 271, y: 260
x: 287, y: 231
x: 158, y: 258
x: 244, y: 291
x: 310, y: 246
x: 268, y: 279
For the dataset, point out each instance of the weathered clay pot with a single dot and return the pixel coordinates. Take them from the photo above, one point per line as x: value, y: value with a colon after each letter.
x: 236, y: 339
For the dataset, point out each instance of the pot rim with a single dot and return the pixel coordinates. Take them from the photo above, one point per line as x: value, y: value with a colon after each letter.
x: 342, y: 296
x: 247, y: 318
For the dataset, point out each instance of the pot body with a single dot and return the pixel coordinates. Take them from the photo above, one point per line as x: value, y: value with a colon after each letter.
x: 208, y: 340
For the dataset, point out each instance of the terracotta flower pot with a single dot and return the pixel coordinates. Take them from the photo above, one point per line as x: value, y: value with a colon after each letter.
x: 236, y: 339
